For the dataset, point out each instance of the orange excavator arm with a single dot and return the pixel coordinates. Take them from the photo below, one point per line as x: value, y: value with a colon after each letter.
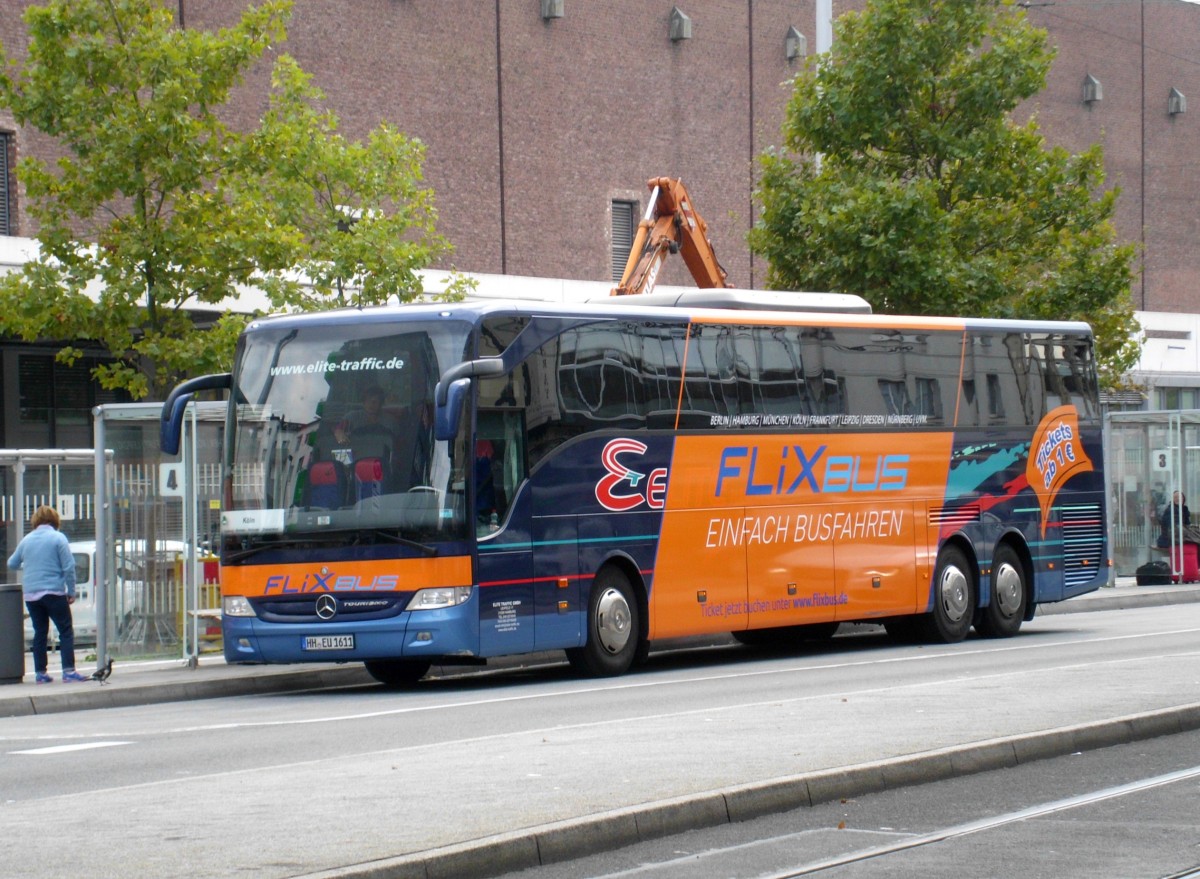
x: 671, y: 225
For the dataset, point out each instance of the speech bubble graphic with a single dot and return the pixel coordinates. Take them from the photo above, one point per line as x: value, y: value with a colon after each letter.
x: 1055, y: 455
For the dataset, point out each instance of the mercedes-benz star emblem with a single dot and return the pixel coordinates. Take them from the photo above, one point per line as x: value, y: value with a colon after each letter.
x: 327, y: 607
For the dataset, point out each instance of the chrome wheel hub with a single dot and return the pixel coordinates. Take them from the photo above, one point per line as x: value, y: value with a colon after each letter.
x: 953, y: 594
x: 613, y: 621
x: 1007, y: 590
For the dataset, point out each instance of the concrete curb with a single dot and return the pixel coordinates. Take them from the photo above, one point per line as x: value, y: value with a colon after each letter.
x: 579, y: 837
x: 263, y: 681
x: 1120, y: 599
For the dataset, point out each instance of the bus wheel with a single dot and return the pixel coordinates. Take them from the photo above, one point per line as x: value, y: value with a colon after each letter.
x: 953, y: 598
x: 1002, y: 618
x: 613, y: 627
x: 397, y: 673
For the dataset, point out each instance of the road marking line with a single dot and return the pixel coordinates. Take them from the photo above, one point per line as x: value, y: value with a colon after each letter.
x: 992, y: 823
x: 63, y: 749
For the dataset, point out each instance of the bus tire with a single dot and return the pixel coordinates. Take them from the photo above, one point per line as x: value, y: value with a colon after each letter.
x: 613, y: 627
x: 954, y: 598
x: 397, y: 673
x: 1010, y: 592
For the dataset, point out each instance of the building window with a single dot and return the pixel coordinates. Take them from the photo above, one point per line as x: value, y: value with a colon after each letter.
x: 929, y: 399
x: 55, y: 401
x: 1178, y: 398
x: 895, y: 397
x: 995, y: 394
x: 35, y: 387
x: 624, y: 223
x: 6, y: 221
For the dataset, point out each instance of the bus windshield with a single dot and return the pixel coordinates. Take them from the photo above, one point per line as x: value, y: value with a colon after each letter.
x: 333, y: 432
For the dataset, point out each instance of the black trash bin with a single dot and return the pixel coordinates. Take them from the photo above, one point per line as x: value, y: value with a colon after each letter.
x: 12, y: 633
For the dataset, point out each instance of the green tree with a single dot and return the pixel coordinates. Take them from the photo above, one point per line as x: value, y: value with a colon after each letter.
x: 157, y: 206
x: 365, y: 225
x: 905, y: 179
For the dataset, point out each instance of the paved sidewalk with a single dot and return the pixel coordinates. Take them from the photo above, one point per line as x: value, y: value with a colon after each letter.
x: 148, y: 682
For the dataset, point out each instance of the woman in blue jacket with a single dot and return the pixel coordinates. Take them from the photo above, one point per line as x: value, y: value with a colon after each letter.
x: 49, y: 586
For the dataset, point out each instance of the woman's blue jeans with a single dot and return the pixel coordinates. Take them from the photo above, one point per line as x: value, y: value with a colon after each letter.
x: 41, y: 612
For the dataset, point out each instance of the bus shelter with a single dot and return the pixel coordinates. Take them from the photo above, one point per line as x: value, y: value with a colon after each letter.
x: 157, y: 523
x: 1150, y: 455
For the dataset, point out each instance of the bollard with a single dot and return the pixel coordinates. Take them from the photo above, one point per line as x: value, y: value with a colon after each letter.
x: 12, y: 633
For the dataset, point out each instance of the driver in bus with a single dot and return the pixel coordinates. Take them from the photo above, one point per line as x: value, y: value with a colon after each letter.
x: 369, y: 418
x: 369, y: 431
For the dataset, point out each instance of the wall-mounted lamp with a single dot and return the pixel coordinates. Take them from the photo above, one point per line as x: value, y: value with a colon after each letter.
x: 1092, y: 90
x: 552, y: 8
x: 794, y: 44
x: 681, y: 25
x: 1176, y: 102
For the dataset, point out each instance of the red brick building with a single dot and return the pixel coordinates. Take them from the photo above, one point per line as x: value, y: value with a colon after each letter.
x: 1138, y: 50
x: 536, y: 125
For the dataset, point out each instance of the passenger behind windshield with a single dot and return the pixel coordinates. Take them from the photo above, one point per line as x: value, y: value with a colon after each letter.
x: 486, y: 516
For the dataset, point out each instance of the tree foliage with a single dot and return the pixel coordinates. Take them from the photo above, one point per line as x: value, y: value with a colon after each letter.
x: 157, y: 206
x: 905, y: 179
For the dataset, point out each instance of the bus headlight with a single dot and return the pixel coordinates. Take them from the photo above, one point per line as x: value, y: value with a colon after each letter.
x: 236, y: 606
x: 433, y: 599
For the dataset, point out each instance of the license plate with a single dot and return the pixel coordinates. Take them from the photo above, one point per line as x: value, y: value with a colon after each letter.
x: 329, y: 642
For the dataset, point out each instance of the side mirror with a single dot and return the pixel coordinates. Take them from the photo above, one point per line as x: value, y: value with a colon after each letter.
x: 451, y: 391
x: 448, y: 415
x: 171, y: 426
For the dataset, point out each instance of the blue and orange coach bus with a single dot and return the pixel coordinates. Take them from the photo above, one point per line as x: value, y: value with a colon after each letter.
x: 594, y: 477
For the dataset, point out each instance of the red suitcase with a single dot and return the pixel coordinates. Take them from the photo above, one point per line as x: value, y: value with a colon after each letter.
x: 1190, y: 566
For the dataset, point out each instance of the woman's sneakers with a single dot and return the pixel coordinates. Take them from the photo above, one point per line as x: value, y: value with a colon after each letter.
x: 69, y: 677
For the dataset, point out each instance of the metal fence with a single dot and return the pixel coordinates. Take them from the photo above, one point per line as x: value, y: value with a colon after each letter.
x: 142, y: 528
x: 61, y: 478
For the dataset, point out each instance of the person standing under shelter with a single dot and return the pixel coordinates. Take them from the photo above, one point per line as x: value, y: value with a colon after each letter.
x: 49, y: 589
x: 1176, y: 514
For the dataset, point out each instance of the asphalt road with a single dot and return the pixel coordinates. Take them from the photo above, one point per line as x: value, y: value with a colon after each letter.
x: 1111, y: 813
x: 475, y: 775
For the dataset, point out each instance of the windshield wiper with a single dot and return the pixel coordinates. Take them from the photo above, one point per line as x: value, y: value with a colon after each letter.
x: 238, y: 555
x: 232, y: 556
x: 423, y: 548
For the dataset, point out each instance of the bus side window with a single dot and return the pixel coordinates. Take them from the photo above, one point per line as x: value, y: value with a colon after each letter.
x: 500, y: 438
